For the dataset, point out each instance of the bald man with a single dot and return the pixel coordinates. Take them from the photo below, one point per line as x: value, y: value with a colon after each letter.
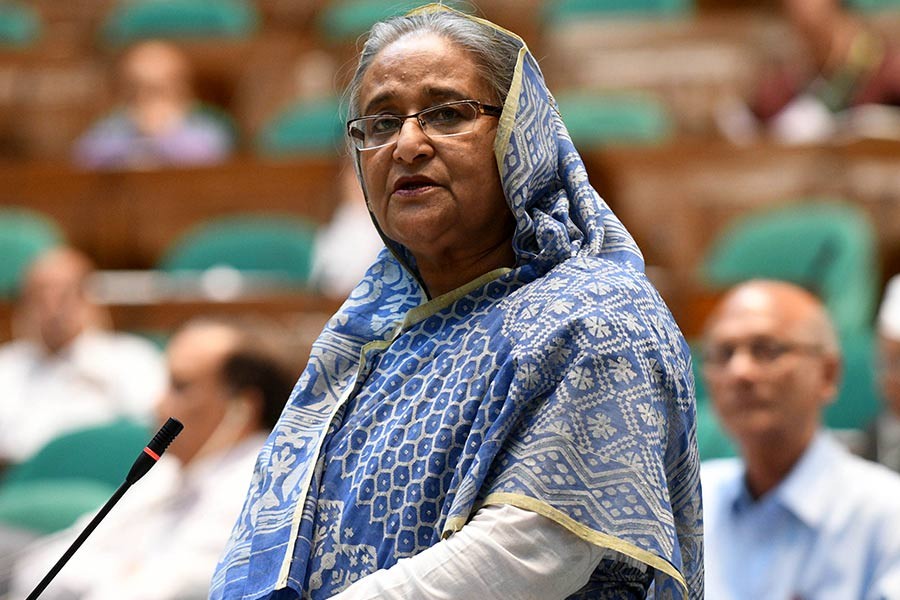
x: 228, y: 383
x: 797, y: 516
x: 65, y: 369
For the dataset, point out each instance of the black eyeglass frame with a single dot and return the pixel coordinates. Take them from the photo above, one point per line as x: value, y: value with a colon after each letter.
x: 358, y: 137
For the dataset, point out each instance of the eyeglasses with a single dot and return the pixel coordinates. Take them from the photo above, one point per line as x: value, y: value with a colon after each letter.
x: 763, y: 351
x: 443, y: 120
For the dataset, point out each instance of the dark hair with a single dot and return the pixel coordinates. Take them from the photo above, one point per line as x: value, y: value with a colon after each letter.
x: 251, y: 367
x: 265, y: 360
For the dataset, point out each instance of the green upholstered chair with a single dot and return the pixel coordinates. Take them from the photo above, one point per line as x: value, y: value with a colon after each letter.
x: 346, y: 20
x: 133, y: 20
x: 825, y: 246
x: 712, y: 441
x: 558, y: 11
x: 596, y: 119
x: 275, y: 246
x: 20, y: 25
x: 70, y: 476
x: 24, y: 234
x: 858, y: 402
x: 313, y: 127
x: 874, y: 5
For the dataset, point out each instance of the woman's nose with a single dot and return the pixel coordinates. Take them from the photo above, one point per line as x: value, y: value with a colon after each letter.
x: 412, y: 142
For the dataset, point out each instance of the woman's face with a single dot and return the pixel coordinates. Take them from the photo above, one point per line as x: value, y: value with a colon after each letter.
x: 441, y: 197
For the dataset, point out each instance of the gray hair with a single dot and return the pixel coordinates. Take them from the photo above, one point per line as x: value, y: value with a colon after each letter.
x: 495, y: 53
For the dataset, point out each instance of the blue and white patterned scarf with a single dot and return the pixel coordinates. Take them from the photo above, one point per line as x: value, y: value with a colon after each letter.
x: 562, y: 386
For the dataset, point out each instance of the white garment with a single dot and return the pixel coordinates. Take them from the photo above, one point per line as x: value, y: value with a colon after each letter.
x: 161, y: 542
x: 100, y: 376
x: 503, y: 553
x: 344, y: 249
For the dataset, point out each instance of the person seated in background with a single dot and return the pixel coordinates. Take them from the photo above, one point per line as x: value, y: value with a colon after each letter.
x: 228, y: 383
x: 854, y: 74
x: 881, y: 441
x: 65, y: 369
x: 160, y: 123
x: 797, y: 515
x: 348, y: 244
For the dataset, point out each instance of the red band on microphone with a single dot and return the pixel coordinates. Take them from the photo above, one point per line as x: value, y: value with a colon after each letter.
x: 151, y: 453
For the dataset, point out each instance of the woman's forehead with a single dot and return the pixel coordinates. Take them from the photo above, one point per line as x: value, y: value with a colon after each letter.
x: 423, y: 65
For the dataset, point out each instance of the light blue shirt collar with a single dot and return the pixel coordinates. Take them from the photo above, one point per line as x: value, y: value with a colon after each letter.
x: 804, y: 493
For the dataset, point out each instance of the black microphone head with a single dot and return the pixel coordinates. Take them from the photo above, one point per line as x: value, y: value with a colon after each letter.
x: 165, y: 435
x: 154, y: 450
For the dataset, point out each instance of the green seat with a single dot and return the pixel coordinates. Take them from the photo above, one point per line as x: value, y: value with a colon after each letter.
x: 712, y: 441
x: 596, y: 119
x: 858, y: 401
x: 344, y: 20
x: 24, y: 234
x: 310, y: 127
x: 278, y: 246
x: 558, y: 11
x: 70, y: 476
x: 873, y: 5
x: 825, y: 246
x: 20, y: 25
x: 135, y: 20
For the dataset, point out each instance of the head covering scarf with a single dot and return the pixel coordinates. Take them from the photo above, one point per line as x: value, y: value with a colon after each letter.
x: 562, y: 386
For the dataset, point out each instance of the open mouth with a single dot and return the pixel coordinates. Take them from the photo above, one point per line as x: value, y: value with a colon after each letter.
x: 413, y: 185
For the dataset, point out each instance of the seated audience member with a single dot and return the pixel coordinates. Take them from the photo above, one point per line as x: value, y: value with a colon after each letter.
x: 160, y: 122
x: 797, y: 515
x: 65, y: 369
x: 881, y: 442
x: 854, y: 67
x: 228, y: 386
x: 348, y: 244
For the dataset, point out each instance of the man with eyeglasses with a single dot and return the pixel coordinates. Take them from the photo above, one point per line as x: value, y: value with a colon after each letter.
x: 796, y: 516
x: 881, y: 442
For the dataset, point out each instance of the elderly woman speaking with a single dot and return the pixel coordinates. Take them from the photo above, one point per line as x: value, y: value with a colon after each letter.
x: 503, y: 408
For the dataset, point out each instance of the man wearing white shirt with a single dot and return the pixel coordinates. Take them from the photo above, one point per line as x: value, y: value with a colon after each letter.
x: 797, y: 516
x: 163, y: 539
x: 65, y: 369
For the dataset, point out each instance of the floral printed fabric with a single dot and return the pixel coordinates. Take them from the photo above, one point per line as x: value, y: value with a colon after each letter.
x: 562, y: 386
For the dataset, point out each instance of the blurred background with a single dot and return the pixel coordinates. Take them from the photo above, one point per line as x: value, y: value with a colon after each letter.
x: 192, y: 149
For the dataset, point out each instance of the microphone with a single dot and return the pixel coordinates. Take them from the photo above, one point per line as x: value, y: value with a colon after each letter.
x: 145, y: 460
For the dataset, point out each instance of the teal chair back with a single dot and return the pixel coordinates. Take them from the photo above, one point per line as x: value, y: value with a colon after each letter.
x: 858, y: 402
x: 346, y: 20
x: 712, y: 441
x: 559, y: 11
x: 20, y: 25
x: 24, y: 234
x: 874, y: 5
x: 278, y: 246
x: 597, y: 119
x: 314, y: 127
x: 825, y: 246
x: 72, y: 475
x: 133, y: 20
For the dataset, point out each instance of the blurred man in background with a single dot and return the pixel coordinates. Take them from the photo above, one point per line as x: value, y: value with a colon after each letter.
x: 228, y: 383
x: 65, y: 369
x: 882, y: 440
x: 797, y: 516
x: 160, y: 122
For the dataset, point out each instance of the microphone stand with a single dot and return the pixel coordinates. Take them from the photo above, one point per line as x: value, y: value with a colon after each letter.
x: 79, y: 541
x: 145, y: 460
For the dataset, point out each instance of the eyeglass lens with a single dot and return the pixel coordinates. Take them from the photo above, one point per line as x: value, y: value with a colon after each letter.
x: 437, y: 121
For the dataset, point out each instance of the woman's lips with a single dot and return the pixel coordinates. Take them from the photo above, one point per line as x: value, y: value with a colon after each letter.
x: 411, y: 191
x: 413, y: 186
